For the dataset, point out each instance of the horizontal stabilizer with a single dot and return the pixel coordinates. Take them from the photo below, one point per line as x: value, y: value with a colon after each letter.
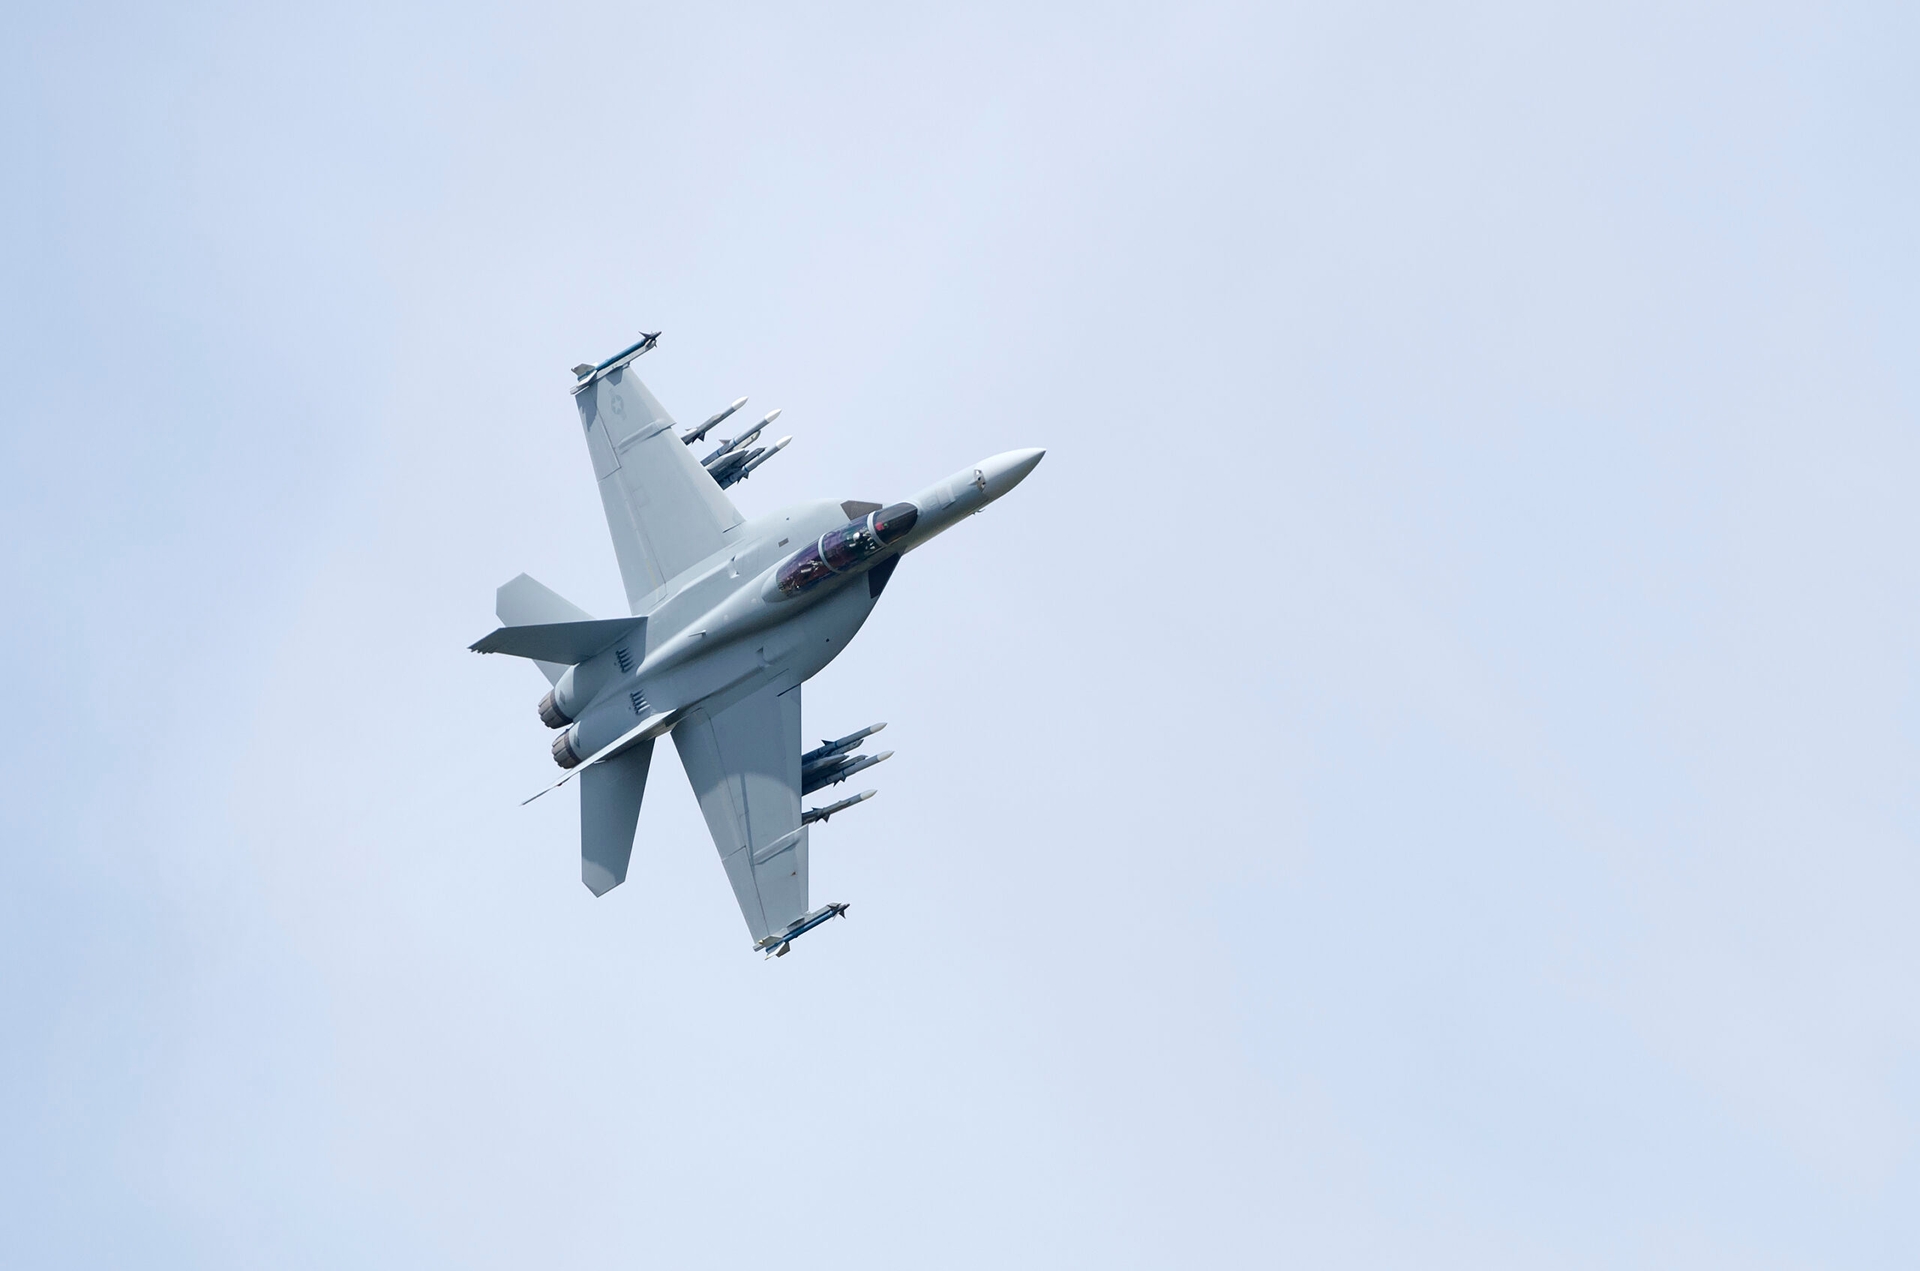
x: 641, y: 733
x: 568, y: 643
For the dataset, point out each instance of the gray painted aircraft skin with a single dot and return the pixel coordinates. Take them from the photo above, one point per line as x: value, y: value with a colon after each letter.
x: 727, y: 619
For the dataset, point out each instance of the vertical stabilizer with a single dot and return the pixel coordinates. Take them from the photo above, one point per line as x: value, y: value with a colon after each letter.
x: 523, y: 602
x: 610, y: 794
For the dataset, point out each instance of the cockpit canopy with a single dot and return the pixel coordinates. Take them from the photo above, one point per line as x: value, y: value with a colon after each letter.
x: 847, y: 548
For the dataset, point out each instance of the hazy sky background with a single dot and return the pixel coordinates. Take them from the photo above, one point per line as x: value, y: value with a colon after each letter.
x: 1422, y: 775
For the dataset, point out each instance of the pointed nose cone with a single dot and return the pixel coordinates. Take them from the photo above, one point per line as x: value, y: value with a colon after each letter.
x: 1005, y: 471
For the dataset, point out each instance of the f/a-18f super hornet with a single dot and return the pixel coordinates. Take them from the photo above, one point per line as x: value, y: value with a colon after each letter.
x: 728, y: 617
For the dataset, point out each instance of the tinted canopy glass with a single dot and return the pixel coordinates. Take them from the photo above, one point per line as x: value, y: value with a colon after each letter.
x: 803, y: 571
x: 892, y: 523
x: 847, y: 548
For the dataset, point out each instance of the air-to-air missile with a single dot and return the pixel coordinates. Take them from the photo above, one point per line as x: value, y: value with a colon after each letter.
x: 694, y: 434
x: 831, y: 772
x: 821, y: 814
x: 811, y: 768
x: 731, y: 447
x: 840, y: 747
x: 825, y: 763
x: 801, y: 926
x: 759, y: 457
x: 589, y: 371
x: 734, y: 460
x: 726, y: 469
x: 745, y: 439
x: 732, y: 469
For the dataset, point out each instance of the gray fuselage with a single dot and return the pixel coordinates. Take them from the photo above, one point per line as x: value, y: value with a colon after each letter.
x: 763, y: 608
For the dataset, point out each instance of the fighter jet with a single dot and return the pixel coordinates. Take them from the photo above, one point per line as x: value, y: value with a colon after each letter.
x: 727, y: 618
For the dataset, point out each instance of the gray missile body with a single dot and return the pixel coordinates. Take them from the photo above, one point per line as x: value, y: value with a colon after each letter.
x: 826, y: 748
x: 759, y: 457
x: 832, y: 774
x: 694, y: 434
x: 812, y: 815
x: 814, y: 768
x: 730, y: 469
x: 819, y: 763
x: 744, y: 440
x: 730, y: 449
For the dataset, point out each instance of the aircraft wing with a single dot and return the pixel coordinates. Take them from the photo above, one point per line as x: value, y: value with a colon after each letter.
x: 744, y: 763
x: 664, y: 511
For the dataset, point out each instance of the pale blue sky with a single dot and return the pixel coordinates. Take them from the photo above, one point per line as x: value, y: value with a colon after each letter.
x: 1422, y: 775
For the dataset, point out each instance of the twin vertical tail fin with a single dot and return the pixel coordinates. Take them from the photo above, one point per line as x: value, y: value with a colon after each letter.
x: 555, y: 633
x: 525, y: 602
x: 610, y: 795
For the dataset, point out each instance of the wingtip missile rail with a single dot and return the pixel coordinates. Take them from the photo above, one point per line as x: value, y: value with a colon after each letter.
x: 586, y: 374
x: 778, y: 943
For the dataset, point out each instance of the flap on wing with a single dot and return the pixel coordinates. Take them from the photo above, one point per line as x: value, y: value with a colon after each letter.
x: 568, y: 643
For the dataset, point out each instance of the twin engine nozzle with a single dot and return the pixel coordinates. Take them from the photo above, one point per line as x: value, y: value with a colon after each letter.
x: 581, y: 683
x: 553, y: 717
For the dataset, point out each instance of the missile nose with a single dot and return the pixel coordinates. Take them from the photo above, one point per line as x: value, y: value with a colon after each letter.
x: 1005, y: 471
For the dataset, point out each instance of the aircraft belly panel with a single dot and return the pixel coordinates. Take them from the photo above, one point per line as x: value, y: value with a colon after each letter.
x: 743, y: 761
x: 823, y: 631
